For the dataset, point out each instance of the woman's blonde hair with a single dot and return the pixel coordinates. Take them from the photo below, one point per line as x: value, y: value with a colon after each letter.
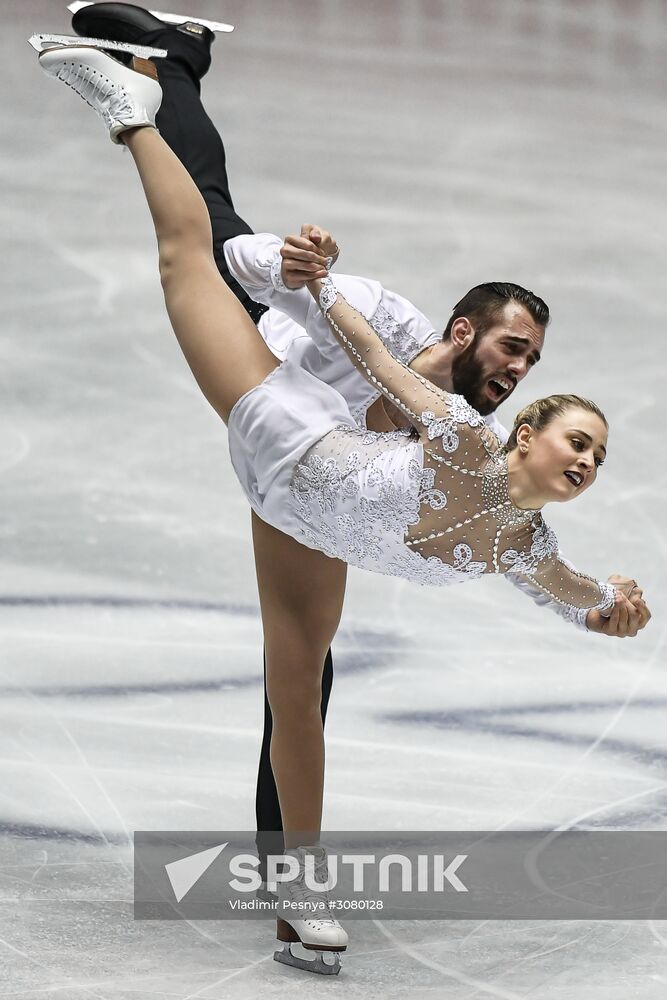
x: 540, y: 413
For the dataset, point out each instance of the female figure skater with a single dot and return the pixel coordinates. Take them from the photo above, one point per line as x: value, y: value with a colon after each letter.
x: 441, y: 503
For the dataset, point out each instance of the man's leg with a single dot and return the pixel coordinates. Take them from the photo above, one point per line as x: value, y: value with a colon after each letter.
x: 187, y: 128
x: 181, y: 120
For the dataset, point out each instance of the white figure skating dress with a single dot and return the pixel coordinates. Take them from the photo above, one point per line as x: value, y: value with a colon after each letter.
x: 431, y: 505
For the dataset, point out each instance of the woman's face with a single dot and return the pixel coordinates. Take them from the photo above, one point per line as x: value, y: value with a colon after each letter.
x: 563, y: 459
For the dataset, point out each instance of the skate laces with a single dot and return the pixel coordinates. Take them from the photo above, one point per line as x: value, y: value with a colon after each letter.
x: 315, y: 902
x: 98, y: 91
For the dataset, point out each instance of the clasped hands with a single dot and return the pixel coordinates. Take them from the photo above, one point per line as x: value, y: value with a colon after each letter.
x: 304, y: 256
x: 629, y: 615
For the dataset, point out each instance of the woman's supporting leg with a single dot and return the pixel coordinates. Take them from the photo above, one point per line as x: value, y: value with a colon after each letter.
x: 267, y: 804
x: 301, y: 594
x: 221, y: 344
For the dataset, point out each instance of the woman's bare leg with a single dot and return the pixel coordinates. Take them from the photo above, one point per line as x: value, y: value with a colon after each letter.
x: 226, y: 353
x: 301, y: 608
x: 301, y: 594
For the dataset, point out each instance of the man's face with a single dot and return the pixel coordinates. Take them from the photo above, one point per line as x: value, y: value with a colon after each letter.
x: 489, y: 369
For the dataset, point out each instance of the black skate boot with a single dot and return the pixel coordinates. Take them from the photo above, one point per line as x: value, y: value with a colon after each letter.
x: 188, y: 43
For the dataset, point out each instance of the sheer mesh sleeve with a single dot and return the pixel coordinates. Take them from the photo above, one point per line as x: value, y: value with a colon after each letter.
x: 553, y: 582
x: 430, y: 409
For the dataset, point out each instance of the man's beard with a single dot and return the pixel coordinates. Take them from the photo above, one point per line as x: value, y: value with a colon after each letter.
x: 468, y: 380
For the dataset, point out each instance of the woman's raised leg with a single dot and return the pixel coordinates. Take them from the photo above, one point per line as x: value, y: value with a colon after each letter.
x: 221, y: 344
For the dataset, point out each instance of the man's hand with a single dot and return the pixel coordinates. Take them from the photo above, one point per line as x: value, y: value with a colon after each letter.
x: 630, y: 613
x: 304, y: 256
x: 324, y: 240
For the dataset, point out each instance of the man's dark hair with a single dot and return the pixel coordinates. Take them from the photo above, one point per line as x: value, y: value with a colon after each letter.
x: 483, y: 306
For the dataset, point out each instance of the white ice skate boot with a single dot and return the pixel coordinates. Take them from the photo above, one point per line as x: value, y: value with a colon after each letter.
x: 311, y: 923
x: 124, y: 98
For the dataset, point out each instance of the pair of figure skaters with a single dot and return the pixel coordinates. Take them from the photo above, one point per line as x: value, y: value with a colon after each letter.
x: 370, y: 441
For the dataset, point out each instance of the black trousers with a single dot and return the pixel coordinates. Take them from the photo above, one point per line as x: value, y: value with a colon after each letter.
x: 185, y: 126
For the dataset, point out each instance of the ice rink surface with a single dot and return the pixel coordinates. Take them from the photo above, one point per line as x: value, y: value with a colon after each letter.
x: 444, y: 143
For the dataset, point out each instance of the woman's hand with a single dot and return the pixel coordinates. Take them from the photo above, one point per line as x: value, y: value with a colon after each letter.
x: 305, y: 256
x: 630, y: 613
x: 324, y: 240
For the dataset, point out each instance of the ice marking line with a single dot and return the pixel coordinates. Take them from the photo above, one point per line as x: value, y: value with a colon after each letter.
x: 350, y: 633
x: 459, y: 977
x: 406, y: 748
x: 51, y: 832
x: 485, y: 721
x: 345, y: 665
x: 91, y: 600
x: 96, y: 863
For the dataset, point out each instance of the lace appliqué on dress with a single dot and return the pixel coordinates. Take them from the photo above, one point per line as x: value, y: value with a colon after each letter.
x: 319, y: 480
x: 322, y: 487
x: 543, y: 545
x: 428, y: 495
x: 328, y: 294
x: 395, y: 338
x: 460, y: 412
x: 432, y: 570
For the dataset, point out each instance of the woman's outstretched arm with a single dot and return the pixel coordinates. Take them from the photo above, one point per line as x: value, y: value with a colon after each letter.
x: 553, y: 582
x: 414, y: 395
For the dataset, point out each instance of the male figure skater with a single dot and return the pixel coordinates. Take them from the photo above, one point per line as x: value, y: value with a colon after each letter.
x: 492, y: 340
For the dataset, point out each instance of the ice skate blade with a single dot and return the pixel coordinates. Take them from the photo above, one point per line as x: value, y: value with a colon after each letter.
x: 40, y: 42
x: 169, y: 18
x: 317, y: 965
